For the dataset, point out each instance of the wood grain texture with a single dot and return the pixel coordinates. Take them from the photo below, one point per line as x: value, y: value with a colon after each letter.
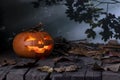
x: 107, y: 75
x: 35, y: 74
x: 18, y: 73
x: 4, y: 71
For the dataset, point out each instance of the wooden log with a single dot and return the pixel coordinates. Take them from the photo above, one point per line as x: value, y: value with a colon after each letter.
x: 34, y: 74
x: 19, y: 72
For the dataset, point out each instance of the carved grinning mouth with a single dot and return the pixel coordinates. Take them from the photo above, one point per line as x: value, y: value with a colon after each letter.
x: 37, y: 49
x: 36, y: 46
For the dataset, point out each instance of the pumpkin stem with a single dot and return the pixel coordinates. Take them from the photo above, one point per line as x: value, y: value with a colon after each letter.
x: 38, y: 27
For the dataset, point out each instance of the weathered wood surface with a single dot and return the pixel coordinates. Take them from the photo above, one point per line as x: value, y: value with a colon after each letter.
x: 4, y: 71
x: 31, y: 73
x: 107, y: 75
x: 34, y: 74
x: 19, y: 73
x: 77, y: 75
x: 91, y: 74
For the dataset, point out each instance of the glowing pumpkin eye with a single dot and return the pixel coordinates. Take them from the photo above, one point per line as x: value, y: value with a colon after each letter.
x: 30, y: 38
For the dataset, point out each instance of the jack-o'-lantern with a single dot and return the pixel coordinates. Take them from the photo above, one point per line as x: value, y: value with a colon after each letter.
x: 33, y: 44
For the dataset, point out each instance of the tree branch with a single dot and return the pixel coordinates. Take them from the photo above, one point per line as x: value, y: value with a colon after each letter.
x: 107, y: 2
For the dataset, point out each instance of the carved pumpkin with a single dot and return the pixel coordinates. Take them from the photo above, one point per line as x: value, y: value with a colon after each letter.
x: 37, y: 44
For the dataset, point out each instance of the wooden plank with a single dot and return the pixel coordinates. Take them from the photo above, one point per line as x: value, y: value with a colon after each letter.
x: 91, y: 74
x: 35, y: 74
x: 89, y: 61
x: 4, y: 71
x: 6, y: 55
x: 60, y: 76
x: 18, y: 73
x: 108, y: 75
x: 80, y: 73
x: 76, y: 75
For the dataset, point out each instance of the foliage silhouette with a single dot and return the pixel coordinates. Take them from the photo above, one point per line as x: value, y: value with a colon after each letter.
x: 89, y: 12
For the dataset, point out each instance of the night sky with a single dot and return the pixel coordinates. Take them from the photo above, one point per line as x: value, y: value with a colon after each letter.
x: 20, y: 14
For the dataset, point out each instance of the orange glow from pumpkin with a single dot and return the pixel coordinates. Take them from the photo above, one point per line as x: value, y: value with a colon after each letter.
x: 47, y: 47
x: 46, y: 38
x: 30, y: 38
x: 36, y: 49
x: 40, y: 42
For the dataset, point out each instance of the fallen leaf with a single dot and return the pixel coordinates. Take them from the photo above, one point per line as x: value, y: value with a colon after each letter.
x: 67, y: 68
x: 61, y: 69
x: 111, y: 60
x: 95, y: 54
x: 108, y: 67
x: 3, y: 64
x: 114, y: 54
x: 45, y: 69
x: 6, y: 62
x: 112, y: 67
x: 85, y: 52
x: 78, y: 51
x: 105, y: 57
x: 71, y: 68
x: 11, y: 62
x: 113, y: 42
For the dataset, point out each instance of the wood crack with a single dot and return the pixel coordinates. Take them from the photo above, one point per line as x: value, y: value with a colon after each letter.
x: 29, y: 69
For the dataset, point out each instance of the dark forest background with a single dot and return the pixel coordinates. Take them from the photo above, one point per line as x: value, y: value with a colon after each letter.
x: 17, y: 15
